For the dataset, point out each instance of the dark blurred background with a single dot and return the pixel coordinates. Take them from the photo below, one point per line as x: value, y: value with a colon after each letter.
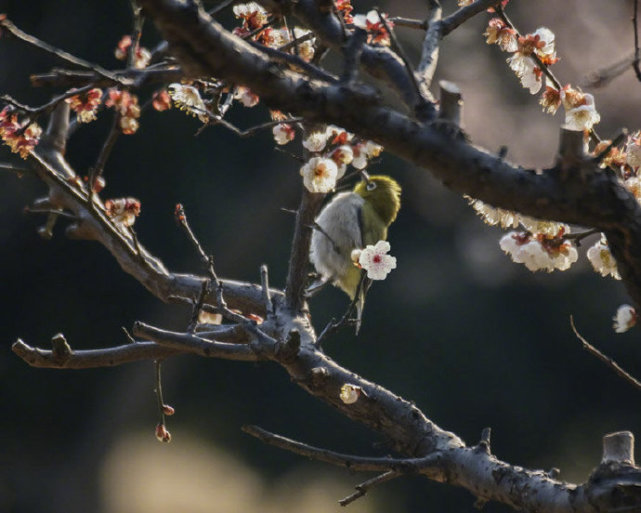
x: 472, y: 338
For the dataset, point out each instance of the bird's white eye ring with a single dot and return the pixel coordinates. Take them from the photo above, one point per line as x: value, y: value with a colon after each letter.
x: 370, y: 186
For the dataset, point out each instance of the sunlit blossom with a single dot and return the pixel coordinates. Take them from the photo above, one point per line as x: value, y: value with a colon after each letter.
x: 375, y: 260
x: 319, y: 175
x: 350, y: 393
x: 602, y: 260
x: 187, y: 98
x: 539, y: 252
x: 624, y: 319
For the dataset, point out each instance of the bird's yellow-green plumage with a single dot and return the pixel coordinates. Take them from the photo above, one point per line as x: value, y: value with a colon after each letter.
x: 352, y: 220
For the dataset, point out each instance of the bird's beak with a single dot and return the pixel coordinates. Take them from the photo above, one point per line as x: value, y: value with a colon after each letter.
x: 365, y: 176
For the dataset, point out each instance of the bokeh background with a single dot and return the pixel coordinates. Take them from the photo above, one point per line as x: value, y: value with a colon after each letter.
x: 472, y: 338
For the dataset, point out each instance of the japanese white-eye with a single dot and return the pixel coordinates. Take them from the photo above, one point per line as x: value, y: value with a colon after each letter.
x: 352, y: 220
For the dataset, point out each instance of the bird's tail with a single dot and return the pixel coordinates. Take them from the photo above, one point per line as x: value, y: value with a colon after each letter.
x: 360, y: 303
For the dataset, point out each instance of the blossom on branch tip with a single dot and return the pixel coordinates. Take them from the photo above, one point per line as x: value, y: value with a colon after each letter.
x: 126, y: 105
x: 315, y: 141
x: 602, y: 260
x: 624, y: 319
x: 550, y: 99
x: 161, y: 100
x: 580, y: 111
x: 85, y: 104
x: 498, y: 32
x: 372, y: 23
x: 363, y: 151
x: 375, y: 260
x: 162, y: 435
x: 319, y: 174
x: 123, y: 211
x: 539, y: 251
x: 245, y: 96
x: 142, y: 56
x: 350, y: 393
x: 253, y: 15
x: 283, y: 133
x: 344, y: 7
x: 187, y: 98
x: 20, y: 138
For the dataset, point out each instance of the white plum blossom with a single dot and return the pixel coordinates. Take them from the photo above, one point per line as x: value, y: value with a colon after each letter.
x: 550, y: 228
x: 494, y: 216
x: 123, y: 211
x: 315, y: 141
x: 306, y: 48
x: 248, y: 9
x: 602, y: 260
x: 363, y: 152
x: 350, y: 393
x: 319, y: 175
x: 538, y: 252
x: 283, y: 133
x: 580, y: 111
x: 375, y: 260
x: 625, y: 318
x: 187, y: 98
x: 633, y: 184
x: 246, y: 97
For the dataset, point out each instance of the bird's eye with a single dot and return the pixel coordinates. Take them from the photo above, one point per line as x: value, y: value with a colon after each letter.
x: 371, y: 186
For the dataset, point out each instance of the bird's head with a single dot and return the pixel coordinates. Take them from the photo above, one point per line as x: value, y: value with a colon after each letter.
x: 383, y: 193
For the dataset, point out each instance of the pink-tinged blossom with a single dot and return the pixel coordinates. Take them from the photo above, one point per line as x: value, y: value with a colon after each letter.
x: 283, y: 133
x: 377, y: 33
x: 580, y: 111
x: 624, y: 319
x: 86, y: 104
x: 20, y: 139
x: 319, y: 175
x: 123, y: 211
x: 375, y: 260
x: 499, y: 33
x: 539, y: 252
x: 550, y: 99
x: 142, y: 55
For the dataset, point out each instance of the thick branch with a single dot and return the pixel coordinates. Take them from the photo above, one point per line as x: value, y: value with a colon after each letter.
x: 583, y: 195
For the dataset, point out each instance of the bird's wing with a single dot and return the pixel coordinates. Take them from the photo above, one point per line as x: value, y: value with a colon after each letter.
x: 373, y: 228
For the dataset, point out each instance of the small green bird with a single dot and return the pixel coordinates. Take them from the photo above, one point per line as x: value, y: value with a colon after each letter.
x: 352, y: 220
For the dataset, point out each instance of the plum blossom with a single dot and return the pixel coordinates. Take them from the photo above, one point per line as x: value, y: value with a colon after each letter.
x: 377, y: 33
x: 20, y: 139
x: 580, y: 111
x: 499, y: 33
x: 602, y: 260
x: 86, y: 104
x: 319, y: 175
x: 493, y: 216
x: 633, y: 150
x: 624, y: 319
x: 539, y: 252
x: 375, y: 260
x: 123, y: 211
x: 187, y: 98
x: 283, y: 133
x: 350, y: 393
x: 315, y: 141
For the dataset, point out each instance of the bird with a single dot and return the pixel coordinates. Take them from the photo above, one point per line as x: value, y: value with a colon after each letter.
x: 352, y: 220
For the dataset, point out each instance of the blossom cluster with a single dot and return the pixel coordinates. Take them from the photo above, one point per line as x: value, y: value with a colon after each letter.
x: 126, y: 104
x: 531, y: 55
x: 123, y: 211
x: 540, y: 251
x: 373, y: 24
x: 21, y: 136
x: 332, y: 150
x: 375, y: 260
x: 86, y: 104
x: 142, y: 56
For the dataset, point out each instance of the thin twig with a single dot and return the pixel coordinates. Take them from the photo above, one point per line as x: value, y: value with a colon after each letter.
x: 14, y: 168
x: 401, y: 53
x: 365, y: 486
x: 356, y: 463
x: 605, y: 359
x: 208, y: 260
x: 635, y: 24
x: 219, y: 7
x: 96, y: 171
x: 264, y: 281
x: 67, y: 57
x: 160, y: 403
